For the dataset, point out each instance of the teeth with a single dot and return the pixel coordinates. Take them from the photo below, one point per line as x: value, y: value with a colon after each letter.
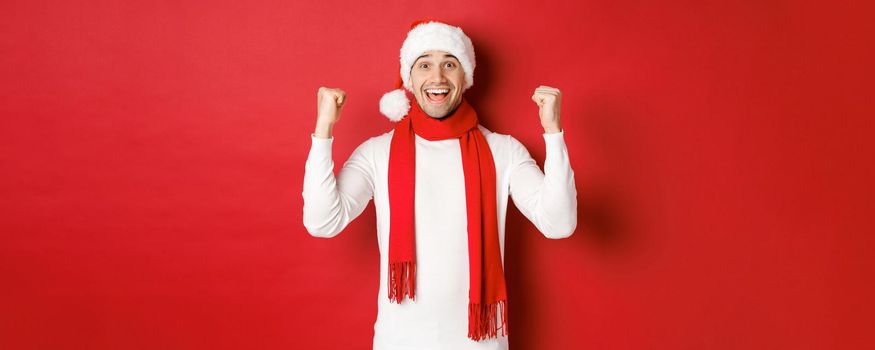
x: 437, y: 91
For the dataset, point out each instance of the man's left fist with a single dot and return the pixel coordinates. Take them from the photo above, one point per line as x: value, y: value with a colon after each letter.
x: 549, y: 100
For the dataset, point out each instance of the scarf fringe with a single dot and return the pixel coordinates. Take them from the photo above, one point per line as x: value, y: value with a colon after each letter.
x: 402, y: 280
x: 483, y: 322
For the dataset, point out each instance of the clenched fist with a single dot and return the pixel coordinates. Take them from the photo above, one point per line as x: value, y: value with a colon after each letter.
x: 549, y: 101
x: 329, y: 104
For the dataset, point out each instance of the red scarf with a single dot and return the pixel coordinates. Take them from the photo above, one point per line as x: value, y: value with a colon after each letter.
x: 487, y: 294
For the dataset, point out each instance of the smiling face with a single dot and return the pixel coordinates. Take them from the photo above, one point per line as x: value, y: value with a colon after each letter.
x: 438, y: 80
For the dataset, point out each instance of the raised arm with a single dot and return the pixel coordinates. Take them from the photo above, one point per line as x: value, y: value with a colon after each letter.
x: 548, y: 199
x: 331, y: 203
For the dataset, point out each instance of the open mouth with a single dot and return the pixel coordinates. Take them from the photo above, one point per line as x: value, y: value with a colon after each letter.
x: 437, y: 96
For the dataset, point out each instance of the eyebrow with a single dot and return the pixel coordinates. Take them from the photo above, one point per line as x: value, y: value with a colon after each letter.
x: 428, y: 55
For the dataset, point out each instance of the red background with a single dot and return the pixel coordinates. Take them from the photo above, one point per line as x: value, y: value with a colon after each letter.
x: 153, y: 152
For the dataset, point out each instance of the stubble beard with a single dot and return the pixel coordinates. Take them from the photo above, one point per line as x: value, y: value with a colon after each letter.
x: 437, y: 112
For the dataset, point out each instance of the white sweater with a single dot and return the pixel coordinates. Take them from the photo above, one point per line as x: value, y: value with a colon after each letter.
x: 438, y: 319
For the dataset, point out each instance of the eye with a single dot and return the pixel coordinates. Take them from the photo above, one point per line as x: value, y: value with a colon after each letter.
x: 423, y: 65
x: 450, y: 64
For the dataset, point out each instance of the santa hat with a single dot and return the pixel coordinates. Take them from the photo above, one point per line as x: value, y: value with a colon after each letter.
x: 423, y: 36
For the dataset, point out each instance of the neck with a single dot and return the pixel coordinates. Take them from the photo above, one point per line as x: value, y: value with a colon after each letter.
x: 459, y: 121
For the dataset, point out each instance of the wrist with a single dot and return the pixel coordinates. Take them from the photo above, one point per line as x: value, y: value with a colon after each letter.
x: 552, y: 129
x: 324, y: 130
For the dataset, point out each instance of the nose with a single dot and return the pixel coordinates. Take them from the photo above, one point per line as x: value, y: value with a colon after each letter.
x: 437, y: 75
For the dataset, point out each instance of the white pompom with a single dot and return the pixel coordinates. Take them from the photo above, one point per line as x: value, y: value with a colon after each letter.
x: 394, y: 105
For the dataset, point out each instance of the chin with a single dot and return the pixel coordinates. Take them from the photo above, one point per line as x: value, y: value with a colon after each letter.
x: 439, y: 112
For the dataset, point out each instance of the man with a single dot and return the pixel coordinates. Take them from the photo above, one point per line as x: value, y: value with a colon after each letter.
x: 440, y: 183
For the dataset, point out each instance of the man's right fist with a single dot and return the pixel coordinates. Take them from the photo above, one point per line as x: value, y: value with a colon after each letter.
x: 330, y: 104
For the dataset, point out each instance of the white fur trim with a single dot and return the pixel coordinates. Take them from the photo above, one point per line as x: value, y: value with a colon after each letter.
x: 441, y: 37
x: 394, y: 105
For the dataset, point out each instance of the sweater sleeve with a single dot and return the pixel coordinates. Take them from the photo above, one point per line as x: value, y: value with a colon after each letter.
x: 331, y: 203
x: 548, y: 199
